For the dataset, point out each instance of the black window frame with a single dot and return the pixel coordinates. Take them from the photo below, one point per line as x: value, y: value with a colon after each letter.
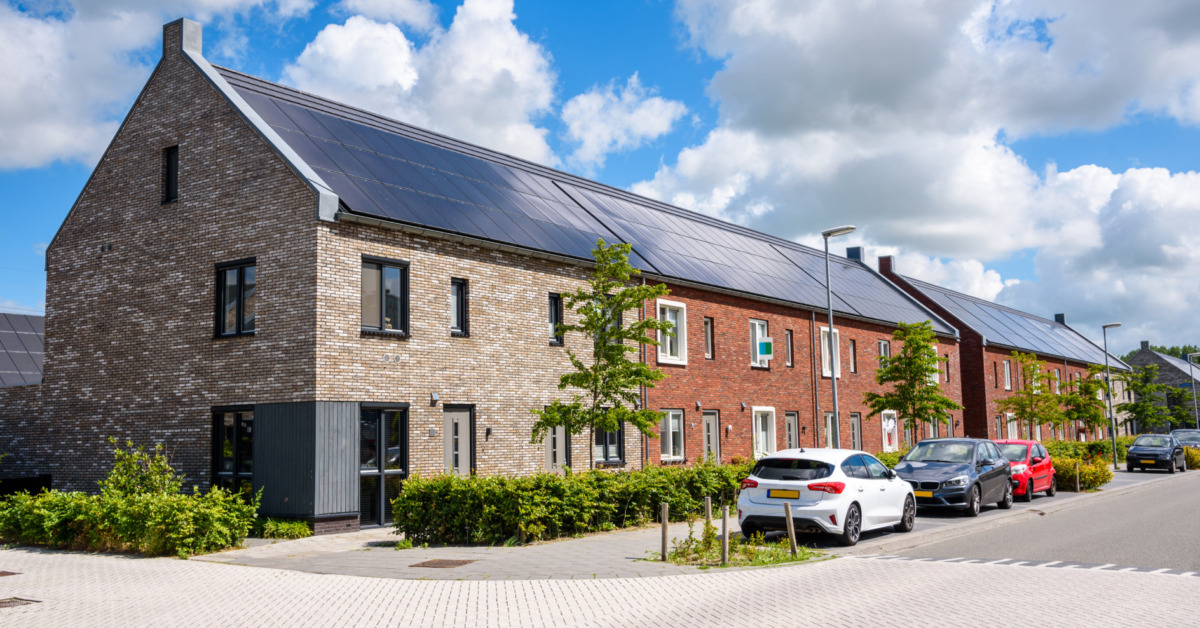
x: 170, y: 174
x: 608, y: 459
x: 462, y: 305
x: 555, y: 314
x: 219, y: 303
x: 381, y: 471
x: 230, y: 480
x: 383, y: 263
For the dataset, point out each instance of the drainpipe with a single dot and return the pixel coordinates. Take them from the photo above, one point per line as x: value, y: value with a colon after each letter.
x: 642, y: 356
x: 812, y: 352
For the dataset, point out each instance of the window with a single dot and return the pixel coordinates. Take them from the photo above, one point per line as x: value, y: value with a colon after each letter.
x: 673, y: 349
x: 459, y: 310
x: 233, y: 445
x: 791, y: 422
x: 933, y: 428
x: 854, y: 467
x: 831, y: 431
x: 764, y: 431
x: 885, y: 351
x: 856, y: 430
x: 236, y: 283
x: 837, y: 355
x: 384, y: 296
x: 709, y: 349
x: 787, y: 346
x: 1014, y: 428
x: 1007, y: 375
x: 936, y: 376
x: 946, y: 366
x: 610, y: 446
x: 853, y: 347
x: 761, y: 350
x: 170, y: 174
x: 555, y: 318
x: 383, y: 460
x: 671, y: 435
x: 1057, y: 382
x: 995, y: 376
x: 891, y: 437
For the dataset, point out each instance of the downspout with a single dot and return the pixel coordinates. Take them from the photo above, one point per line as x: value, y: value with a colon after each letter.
x: 642, y: 357
x: 812, y: 352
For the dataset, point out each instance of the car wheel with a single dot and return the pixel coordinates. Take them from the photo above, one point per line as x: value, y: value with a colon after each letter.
x: 852, y: 527
x: 909, y: 518
x: 749, y: 531
x: 973, y: 503
x: 1006, y: 503
x: 1053, y: 487
x: 1171, y: 468
x: 1028, y: 496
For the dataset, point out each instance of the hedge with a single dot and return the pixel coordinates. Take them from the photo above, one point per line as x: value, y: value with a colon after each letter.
x: 1096, y: 450
x: 500, y: 509
x: 891, y: 458
x: 1192, y: 455
x: 1092, y: 474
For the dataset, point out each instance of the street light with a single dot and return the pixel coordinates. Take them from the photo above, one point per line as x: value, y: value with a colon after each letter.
x: 836, y: 426
x: 1196, y: 412
x: 1112, y: 420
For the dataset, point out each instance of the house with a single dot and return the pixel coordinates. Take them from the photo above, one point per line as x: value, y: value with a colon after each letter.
x: 302, y: 297
x: 1173, y: 372
x: 991, y: 333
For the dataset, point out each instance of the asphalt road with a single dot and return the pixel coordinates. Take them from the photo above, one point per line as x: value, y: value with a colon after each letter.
x: 1154, y: 526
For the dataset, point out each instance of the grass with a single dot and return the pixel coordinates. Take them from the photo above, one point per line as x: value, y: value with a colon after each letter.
x: 705, y: 551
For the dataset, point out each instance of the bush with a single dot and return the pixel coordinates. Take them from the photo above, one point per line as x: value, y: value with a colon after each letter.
x: 891, y: 458
x: 495, y: 510
x: 272, y: 528
x: 1092, y: 474
x: 139, y: 509
x: 1095, y: 451
x: 1192, y: 455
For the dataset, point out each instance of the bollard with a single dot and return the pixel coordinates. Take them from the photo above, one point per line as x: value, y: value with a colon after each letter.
x: 791, y: 526
x: 725, y: 534
x: 708, y: 510
x: 665, y: 512
x: 1076, y: 477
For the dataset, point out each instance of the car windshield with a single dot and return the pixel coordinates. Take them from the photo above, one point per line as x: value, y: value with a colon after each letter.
x: 1152, y: 441
x: 1014, y: 453
x: 791, y: 469
x: 1189, y: 438
x: 943, y: 451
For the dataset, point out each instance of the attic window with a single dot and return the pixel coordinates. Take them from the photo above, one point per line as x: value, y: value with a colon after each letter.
x: 170, y: 174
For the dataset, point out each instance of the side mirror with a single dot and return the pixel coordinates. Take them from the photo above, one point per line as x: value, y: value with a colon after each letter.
x: 1037, y: 460
x: 891, y: 474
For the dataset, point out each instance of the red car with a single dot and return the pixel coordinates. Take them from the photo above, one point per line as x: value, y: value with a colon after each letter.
x: 1032, y: 469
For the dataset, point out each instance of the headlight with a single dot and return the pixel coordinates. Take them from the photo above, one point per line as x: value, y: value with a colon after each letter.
x: 957, y: 481
x: 1019, y: 469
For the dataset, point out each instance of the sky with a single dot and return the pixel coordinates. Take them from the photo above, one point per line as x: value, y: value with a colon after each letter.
x: 1038, y: 154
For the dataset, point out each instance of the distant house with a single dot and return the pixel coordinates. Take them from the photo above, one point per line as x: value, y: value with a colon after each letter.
x: 1173, y: 372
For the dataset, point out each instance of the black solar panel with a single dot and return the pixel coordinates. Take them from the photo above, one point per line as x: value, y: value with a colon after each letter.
x: 21, y: 351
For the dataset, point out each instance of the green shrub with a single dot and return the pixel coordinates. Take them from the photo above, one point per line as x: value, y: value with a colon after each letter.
x: 499, y: 509
x: 1092, y: 474
x: 1095, y: 450
x: 891, y: 458
x: 272, y: 528
x: 1192, y: 455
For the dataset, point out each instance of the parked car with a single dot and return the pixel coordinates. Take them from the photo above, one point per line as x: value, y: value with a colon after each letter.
x: 836, y: 491
x: 1155, y: 451
x: 1032, y: 468
x: 1187, y: 438
x: 960, y: 473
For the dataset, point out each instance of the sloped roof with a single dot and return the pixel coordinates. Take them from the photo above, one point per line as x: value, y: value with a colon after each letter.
x: 21, y: 354
x: 1180, y: 364
x: 389, y: 170
x: 1015, y: 329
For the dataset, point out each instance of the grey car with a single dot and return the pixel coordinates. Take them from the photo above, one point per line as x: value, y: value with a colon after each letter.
x: 961, y: 473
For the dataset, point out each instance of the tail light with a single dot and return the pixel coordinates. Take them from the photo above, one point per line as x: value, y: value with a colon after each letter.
x: 835, y: 488
x: 748, y: 483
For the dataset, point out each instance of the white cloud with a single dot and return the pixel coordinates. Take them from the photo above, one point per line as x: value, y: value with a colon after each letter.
x: 40, y: 248
x: 419, y: 14
x: 607, y: 119
x: 481, y: 79
x: 9, y: 305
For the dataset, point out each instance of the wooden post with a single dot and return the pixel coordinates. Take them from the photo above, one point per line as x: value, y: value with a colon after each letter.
x: 725, y: 534
x: 665, y: 512
x: 791, y: 526
x: 1076, y: 477
x: 708, y: 510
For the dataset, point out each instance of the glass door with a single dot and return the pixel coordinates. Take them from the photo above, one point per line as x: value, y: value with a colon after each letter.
x: 383, y: 462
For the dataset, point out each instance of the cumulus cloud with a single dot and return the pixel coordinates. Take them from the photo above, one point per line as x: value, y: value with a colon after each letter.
x: 481, y: 79
x: 608, y: 119
x: 418, y: 14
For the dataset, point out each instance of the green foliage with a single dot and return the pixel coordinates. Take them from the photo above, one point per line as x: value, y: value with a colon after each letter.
x: 272, y: 528
x: 139, y: 509
x: 1098, y: 451
x: 1092, y: 474
x: 1082, y: 403
x: 891, y: 458
x: 1149, y: 405
x: 914, y: 375
x: 706, y: 550
x: 497, y: 509
x: 1175, y: 352
x: 1034, y: 402
x: 610, y: 381
x: 1179, y: 406
x: 1192, y: 455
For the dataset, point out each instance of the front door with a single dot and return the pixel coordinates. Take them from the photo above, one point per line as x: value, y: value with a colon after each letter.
x: 712, y: 435
x: 383, y: 461
x: 558, y: 449
x: 460, y: 440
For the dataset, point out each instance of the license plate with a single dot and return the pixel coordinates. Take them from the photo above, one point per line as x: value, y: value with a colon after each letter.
x: 1147, y: 462
x: 779, y: 493
x: 923, y: 493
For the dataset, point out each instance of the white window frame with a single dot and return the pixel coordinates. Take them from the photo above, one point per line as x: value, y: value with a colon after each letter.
x: 935, y: 378
x: 856, y: 439
x: 830, y: 435
x: 791, y: 423
x: 1007, y: 375
x: 1057, y: 382
x: 837, y: 351
x: 755, y: 326
x: 1012, y: 428
x: 933, y: 428
x: 787, y: 346
x: 668, y: 436
x: 894, y: 430
x: 680, y: 329
x: 763, y: 448
x: 853, y: 350
x: 709, y: 346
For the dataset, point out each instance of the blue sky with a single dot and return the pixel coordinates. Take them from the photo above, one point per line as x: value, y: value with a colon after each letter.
x: 1038, y: 154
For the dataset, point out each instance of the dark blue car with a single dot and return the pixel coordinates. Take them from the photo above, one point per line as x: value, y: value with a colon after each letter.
x: 1155, y: 451
x: 960, y: 473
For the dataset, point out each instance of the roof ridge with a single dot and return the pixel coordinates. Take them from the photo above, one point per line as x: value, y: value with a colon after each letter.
x: 988, y: 303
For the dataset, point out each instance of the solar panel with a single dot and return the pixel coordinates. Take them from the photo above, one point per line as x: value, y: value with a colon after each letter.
x: 21, y: 352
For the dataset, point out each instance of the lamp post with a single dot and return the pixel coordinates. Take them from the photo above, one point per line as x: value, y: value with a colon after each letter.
x: 1112, y: 420
x: 836, y: 426
x: 1196, y: 412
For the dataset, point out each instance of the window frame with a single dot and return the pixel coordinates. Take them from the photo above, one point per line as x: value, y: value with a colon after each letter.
x: 1008, y: 375
x: 679, y: 341
x: 232, y: 477
x: 170, y: 181
x: 460, y: 306
x: 710, y: 346
x: 554, y: 305
x: 219, y: 305
x: 787, y: 348
x: 609, y: 459
x: 837, y: 351
x: 667, y: 436
x: 757, y: 361
x: 885, y: 350
x: 383, y: 263
x: 894, y: 430
x: 754, y: 432
x: 853, y: 350
x: 856, y: 439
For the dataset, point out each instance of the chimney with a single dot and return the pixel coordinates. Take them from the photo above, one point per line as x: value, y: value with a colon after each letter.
x: 183, y: 35
x: 1061, y: 319
x: 856, y: 253
x: 1145, y: 345
x: 886, y: 265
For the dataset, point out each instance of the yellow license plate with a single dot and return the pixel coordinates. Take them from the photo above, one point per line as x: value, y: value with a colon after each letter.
x: 923, y: 493
x: 1147, y: 462
x: 779, y: 493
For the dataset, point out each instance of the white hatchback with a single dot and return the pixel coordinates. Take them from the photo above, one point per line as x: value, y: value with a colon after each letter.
x: 837, y: 491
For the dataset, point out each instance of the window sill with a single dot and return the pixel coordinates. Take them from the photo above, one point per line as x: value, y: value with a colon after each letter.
x: 245, y: 334
x: 399, y: 335
x: 755, y: 367
x: 671, y: 362
x: 171, y: 201
x: 460, y: 334
x: 601, y: 464
x: 670, y: 462
x: 557, y: 343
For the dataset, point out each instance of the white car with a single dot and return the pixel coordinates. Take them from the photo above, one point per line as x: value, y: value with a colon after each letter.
x: 837, y: 491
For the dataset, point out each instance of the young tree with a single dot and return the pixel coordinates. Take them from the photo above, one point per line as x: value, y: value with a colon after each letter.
x: 914, y: 374
x: 610, y: 382
x: 1034, y: 402
x: 1149, y: 406
x: 1083, y: 402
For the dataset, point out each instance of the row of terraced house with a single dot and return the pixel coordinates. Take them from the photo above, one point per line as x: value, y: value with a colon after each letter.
x: 309, y: 298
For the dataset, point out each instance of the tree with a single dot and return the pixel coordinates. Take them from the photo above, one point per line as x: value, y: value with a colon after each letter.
x: 1034, y: 402
x: 1175, y: 352
x: 914, y: 375
x: 1083, y: 403
x: 610, y: 382
x: 1179, y: 405
x: 1149, y: 406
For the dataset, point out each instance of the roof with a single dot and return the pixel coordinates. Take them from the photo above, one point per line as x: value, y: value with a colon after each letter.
x: 21, y: 354
x: 1180, y: 364
x: 1014, y: 329
x: 387, y: 170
